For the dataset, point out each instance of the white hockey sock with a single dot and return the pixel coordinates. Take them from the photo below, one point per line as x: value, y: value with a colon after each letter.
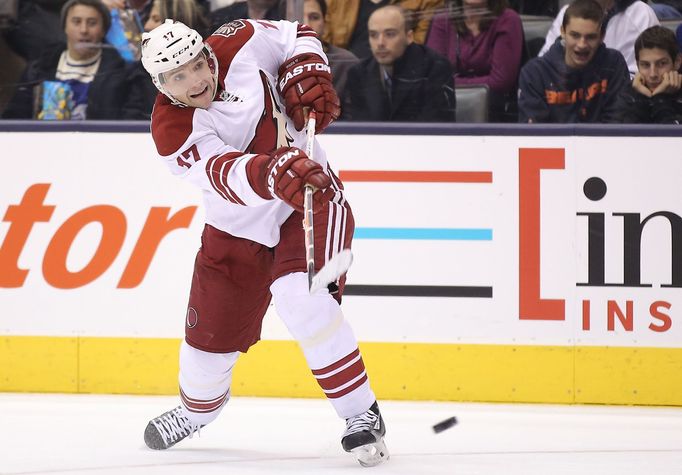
x: 205, y: 380
x: 328, y: 343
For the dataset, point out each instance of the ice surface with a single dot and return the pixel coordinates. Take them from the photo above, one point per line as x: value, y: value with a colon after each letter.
x: 98, y: 434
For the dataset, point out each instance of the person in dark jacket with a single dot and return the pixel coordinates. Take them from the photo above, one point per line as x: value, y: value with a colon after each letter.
x: 82, y: 79
x: 402, y: 81
x: 579, y: 79
x: 656, y: 96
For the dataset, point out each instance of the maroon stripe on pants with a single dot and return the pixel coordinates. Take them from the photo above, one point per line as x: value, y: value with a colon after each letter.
x: 198, y: 405
x: 342, y: 377
x: 346, y: 359
x: 347, y: 390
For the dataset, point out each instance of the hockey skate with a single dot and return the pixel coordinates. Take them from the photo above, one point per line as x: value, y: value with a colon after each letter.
x: 168, y: 429
x: 364, y: 437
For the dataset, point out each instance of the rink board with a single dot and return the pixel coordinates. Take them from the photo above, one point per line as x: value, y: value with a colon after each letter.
x: 491, y: 268
x: 401, y: 371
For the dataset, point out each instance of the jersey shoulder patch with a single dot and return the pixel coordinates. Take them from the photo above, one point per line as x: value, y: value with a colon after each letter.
x: 171, y: 125
x: 227, y: 41
x: 231, y: 36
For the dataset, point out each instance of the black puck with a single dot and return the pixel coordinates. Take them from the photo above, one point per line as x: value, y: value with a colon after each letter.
x: 443, y: 425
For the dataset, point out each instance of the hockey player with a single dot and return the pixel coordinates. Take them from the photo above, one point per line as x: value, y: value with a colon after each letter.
x: 231, y: 120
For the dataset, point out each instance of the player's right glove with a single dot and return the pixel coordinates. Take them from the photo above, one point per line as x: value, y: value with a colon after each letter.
x: 284, y: 175
x: 305, y: 81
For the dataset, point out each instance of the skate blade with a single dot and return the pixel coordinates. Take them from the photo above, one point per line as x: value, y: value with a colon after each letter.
x: 370, y: 455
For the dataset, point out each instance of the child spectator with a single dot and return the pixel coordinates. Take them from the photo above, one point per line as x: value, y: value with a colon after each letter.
x: 624, y: 21
x: 579, y: 79
x: 655, y: 95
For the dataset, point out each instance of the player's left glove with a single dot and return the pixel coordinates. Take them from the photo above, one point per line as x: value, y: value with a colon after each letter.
x: 284, y: 175
x: 306, y: 81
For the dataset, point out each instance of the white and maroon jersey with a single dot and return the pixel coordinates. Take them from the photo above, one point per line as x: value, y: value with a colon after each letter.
x: 211, y: 147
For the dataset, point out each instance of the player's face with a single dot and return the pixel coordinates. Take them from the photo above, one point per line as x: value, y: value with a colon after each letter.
x: 387, y: 36
x: 312, y: 16
x: 582, y: 38
x: 192, y: 83
x: 653, y: 63
x: 84, y: 29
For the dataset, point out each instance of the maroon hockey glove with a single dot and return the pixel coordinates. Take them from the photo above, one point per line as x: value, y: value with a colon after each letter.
x: 284, y: 175
x: 306, y: 81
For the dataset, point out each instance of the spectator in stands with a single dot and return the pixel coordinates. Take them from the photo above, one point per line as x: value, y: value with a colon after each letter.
x: 678, y: 35
x: 402, y: 81
x: 346, y: 21
x: 624, y: 21
x: 252, y: 9
x: 655, y: 97
x: 579, y: 79
x: 79, y: 80
x: 340, y: 60
x: 188, y: 12
x: 483, y: 39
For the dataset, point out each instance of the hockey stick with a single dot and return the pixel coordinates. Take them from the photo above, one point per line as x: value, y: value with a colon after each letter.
x: 308, y: 205
x: 339, y: 263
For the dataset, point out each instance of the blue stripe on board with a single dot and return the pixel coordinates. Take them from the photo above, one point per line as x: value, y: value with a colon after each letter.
x: 435, y: 234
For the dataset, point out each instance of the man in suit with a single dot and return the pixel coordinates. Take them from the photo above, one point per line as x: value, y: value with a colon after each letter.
x: 402, y: 81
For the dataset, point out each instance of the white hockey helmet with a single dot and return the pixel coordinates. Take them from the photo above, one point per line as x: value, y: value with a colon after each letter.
x: 170, y: 45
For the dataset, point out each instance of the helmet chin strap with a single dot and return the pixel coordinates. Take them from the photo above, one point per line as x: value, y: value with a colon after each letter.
x: 175, y: 101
